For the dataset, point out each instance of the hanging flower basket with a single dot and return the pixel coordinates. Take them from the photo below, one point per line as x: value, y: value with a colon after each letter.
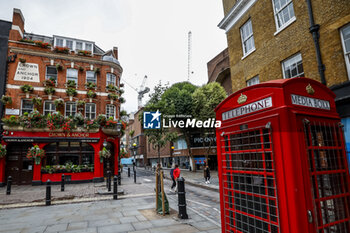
x: 37, y: 101
x: 3, y: 151
x: 104, y: 153
x: 5, y: 99
x: 36, y: 153
x: 91, y: 94
x: 59, y: 103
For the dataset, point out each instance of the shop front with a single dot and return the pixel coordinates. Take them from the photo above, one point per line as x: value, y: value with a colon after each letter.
x: 74, y: 154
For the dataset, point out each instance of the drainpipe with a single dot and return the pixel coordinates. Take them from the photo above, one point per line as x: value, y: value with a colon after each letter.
x: 314, y: 30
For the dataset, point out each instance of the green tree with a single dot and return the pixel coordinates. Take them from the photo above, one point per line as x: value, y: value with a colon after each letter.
x: 158, y: 137
x: 179, y: 101
x: 205, y: 100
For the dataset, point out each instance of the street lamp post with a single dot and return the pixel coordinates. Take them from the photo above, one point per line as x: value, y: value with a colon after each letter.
x: 134, y: 147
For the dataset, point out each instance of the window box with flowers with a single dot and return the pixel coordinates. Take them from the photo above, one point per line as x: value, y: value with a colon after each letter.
x: 59, y: 49
x: 33, y: 121
x: 12, y: 123
x: 55, y: 120
x: 3, y: 151
x: 110, y: 127
x: 71, y: 83
x: 36, y: 153
x: 111, y: 88
x: 42, y: 44
x: 27, y: 89
x: 7, y: 100
x: 84, y: 53
x: 27, y: 40
x: 104, y: 153
x: 90, y: 86
x: 51, y: 82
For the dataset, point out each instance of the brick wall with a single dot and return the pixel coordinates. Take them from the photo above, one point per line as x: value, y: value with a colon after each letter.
x: 272, y: 49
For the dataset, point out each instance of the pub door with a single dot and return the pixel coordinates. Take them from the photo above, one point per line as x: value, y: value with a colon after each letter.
x: 327, y: 181
x: 18, y: 166
x: 108, y: 163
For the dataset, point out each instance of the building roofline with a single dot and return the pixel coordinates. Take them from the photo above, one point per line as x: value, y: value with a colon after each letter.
x: 66, y: 37
x: 235, y: 14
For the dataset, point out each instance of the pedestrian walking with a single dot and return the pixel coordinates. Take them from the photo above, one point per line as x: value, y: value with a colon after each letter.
x: 207, y: 174
x: 172, y: 177
x: 176, y: 175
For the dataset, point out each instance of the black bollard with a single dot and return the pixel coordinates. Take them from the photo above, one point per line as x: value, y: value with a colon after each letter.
x: 115, y: 188
x: 135, y: 176
x: 181, y: 198
x: 62, y: 183
x: 119, y: 179
x: 128, y: 171
x: 48, y: 192
x: 109, y: 181
x: 9, y: 183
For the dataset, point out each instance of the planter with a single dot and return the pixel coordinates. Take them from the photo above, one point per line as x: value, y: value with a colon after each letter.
x: 112, y: 101
x: 13, y: 128
x: 70, y: 98
x: 90, y: 99
x: 27, y: 95
x: 50, y: 97
x: 34, y: 129
x: 111, y: 131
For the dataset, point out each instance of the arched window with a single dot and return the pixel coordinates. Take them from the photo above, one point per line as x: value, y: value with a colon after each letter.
x: 62, y: 153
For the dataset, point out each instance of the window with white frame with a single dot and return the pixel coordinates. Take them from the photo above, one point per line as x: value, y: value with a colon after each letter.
x: 284, y: 12
x: 79, y: 45
x: 72, y: 74
x: 180, y: 144
x: 51, y: 72
x: 253, y: 81
x: 345, y: 37
x: 69, y: 44
x: 49, y: 107
x: 247, y: 38
x: 293, y: 67
x: 111, y: 79
x: 90, y: 110
x: 59, y: 42
x: 91, y: 77
x: 88, y: 47
x: 110, y: 111
x: 27, y: 106
x: 71, y: 109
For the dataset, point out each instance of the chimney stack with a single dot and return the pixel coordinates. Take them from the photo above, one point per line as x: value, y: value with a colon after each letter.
x: 17, y: 30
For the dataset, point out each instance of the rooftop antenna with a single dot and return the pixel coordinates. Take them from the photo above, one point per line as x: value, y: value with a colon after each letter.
x: 189, y: 55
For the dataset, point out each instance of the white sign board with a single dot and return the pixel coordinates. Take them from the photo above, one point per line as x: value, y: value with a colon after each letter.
x: 249, y: 108
x: 310, y: 102
x: 28, y: 72
x: 9, y: 111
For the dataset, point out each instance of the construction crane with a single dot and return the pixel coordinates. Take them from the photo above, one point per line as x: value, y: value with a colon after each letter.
x: 141, y: 91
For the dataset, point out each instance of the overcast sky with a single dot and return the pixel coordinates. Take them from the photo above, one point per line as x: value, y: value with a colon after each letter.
x: 152, y: 35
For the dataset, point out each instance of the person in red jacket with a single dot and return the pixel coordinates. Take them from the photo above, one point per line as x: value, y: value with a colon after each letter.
x: 176, y: 175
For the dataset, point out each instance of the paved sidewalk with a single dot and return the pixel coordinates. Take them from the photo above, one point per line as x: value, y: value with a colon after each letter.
x: 133, y: 212
x: 127, y: 215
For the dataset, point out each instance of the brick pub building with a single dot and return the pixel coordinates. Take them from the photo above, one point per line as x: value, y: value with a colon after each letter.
x: 71, y: 76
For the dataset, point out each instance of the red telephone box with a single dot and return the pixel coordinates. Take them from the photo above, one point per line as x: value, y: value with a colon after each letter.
x: 281, y: 159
